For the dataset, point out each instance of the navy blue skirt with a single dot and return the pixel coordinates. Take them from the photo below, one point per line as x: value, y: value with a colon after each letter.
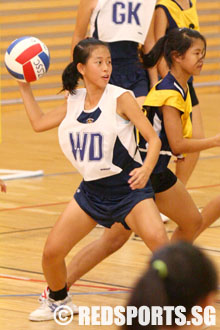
x: 110, y: 204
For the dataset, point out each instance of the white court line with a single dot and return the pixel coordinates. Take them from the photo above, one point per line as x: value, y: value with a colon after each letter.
x: 19, y: 174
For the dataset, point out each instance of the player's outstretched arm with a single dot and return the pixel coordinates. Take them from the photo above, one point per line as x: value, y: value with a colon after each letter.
x: 39, y: 120
x: 174, y: 132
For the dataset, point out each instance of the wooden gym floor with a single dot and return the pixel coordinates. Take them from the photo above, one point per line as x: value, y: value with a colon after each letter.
x: 32, y: 205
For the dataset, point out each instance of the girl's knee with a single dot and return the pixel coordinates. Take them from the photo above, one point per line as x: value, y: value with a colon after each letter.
x: 51, y: 254
x: 194, y: 225
x: 161, y: 237
x: 112, y: 243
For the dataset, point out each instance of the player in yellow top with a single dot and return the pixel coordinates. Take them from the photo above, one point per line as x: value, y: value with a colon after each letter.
x: 170, y: 14
x: 179, y: 13
x: 169, y: 107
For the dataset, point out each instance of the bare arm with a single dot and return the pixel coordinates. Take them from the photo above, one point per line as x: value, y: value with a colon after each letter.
x: 160, y: 26
x: 82, y: 21
x: 179, y: 144
x: 148, y: 45
x: 129, y: 109
x: 40, y: 121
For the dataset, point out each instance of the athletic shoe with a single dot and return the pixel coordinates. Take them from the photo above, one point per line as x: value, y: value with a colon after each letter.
x: 44, y: 295
x: 46, y: 310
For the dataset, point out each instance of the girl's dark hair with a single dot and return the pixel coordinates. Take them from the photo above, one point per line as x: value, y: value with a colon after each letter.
x: 81, y: 54
x: 176, y: 40
x: 179, y: 274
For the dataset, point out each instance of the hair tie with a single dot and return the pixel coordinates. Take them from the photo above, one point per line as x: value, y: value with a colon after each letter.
x: 161, y: 267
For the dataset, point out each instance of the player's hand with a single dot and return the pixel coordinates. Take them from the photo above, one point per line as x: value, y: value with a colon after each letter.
x: 138, y: 178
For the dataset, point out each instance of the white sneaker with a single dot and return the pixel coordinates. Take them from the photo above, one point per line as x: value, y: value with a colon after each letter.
x: 46, y: 310
x: 44, y: 295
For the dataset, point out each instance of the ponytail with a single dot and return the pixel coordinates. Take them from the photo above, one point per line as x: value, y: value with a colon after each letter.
x: 70, y: 78
x: 155, y: 54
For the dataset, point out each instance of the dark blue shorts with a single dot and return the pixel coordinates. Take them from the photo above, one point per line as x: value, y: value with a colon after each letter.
x: 163, y: 181
x: 107, y: 207
x: 130, y: 76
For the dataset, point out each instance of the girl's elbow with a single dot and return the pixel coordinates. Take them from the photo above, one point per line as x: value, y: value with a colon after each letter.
x: 177, y: 149
x: 36, y: 127
x: 157, y: 141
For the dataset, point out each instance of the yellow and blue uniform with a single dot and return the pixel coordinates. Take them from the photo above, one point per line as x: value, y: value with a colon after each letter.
x: 179, y: 18
x: 166, y: 92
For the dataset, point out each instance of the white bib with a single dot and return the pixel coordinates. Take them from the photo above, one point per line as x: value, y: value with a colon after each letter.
x: 129, y: 20
x: 91, y: 140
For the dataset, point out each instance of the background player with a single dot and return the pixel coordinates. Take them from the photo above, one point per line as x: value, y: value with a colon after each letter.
x: 170, y: 14
x: 124, y: 26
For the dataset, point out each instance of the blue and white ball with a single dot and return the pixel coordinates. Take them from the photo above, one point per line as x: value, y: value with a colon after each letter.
x: 27, y: 59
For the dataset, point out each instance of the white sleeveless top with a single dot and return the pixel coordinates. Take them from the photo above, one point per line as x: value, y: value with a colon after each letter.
x: 93, y: 139
x: 127, y: 20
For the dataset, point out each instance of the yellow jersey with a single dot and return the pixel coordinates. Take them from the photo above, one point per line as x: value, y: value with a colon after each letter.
x: 179, y: 17
x: 166, y: 92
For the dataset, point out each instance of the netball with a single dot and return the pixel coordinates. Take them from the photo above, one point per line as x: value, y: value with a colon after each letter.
x: 27, y: 59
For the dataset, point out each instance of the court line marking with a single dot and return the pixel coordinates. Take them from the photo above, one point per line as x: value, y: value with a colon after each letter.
x: 33, y: 206
x: 21, y: 278
x: 169, y: 231
x: 72, y: 294
x: 204, y: 187
x: 24, y: 230
x: 83, y: 280
x: 65, y: 202
x: 210, y: 249
x: 111, y: 291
